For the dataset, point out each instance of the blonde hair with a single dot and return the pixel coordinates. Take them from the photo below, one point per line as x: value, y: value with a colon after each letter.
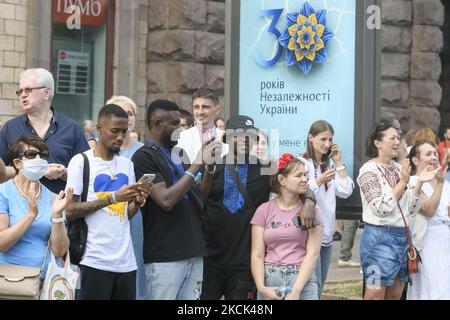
x: 121, y: 100
x: 425, y: 135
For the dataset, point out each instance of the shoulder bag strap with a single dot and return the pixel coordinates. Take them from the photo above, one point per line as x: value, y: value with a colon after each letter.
x: 85, y: 177
x: 45, y: 256
x: 401, y: 211
x: 242, y: 190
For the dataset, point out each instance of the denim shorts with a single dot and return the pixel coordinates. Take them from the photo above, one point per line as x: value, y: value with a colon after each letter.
x: 279, y: 275
x: 383, y: 253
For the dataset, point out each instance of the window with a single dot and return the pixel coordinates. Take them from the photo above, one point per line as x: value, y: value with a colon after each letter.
x: 81, y: 32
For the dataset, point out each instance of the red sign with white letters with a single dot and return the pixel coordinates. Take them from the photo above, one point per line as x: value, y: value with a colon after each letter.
x: 92, y: 12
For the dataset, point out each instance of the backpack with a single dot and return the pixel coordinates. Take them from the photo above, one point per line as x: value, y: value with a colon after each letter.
x: 78, y: 229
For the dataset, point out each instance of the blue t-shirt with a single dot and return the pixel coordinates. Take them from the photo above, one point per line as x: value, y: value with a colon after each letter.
x: 129, y: 152
x: 30, y: 249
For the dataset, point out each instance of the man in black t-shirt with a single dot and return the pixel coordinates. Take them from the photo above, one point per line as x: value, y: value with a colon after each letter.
x: 227, y: 215
x: 173, y: 240
x: 228, y: 212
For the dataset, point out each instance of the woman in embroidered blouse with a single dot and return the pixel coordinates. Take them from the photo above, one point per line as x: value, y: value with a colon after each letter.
x: 28, y: 218
x: 431, y: 229
x: 328, y: 179
x: 384, y: 187
x: 284, y: 255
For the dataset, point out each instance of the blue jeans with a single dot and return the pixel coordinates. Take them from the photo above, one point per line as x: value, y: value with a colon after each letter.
x: 137, y: 238
x: 383, y: 253
x: 323, y: 264
x: 278, y: 276
x: 177, y: 280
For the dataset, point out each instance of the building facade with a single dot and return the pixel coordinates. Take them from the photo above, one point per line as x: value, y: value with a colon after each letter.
x: 148, y: 49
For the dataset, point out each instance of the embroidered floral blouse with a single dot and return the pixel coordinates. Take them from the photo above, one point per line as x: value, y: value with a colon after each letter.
x: 379, y: 203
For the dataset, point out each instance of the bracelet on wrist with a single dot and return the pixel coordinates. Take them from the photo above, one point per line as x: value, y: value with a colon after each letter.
x: 211, y: 172
x: 113, y: 197
x: 190, y: 174
x: 143, y: 203
x: 58, y: 220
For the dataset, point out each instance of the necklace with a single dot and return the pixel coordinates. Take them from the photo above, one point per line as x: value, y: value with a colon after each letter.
x: 23, y: 194
x: 113, y: 174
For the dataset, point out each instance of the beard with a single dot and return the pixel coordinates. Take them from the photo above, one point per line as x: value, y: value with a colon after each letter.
x: 114, y: 151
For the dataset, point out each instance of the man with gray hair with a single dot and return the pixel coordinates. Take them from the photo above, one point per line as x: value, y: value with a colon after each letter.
x: 89, y: 129
x: 63, y: 136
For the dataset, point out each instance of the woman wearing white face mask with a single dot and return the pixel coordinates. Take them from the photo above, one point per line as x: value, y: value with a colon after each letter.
x: 30, y: 215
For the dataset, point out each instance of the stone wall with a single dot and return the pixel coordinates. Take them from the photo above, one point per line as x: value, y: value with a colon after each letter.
x: 411, y: 65
x: 186, y: 48
x: 141, y: 90
x: 13, y: 32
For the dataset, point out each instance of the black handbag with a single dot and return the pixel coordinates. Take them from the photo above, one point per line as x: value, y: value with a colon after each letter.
x: 78, y: 229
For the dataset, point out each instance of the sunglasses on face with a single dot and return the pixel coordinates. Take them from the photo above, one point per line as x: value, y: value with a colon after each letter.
x: 31, y: 154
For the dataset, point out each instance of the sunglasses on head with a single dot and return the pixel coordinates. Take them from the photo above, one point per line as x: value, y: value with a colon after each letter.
x: 31, y: 154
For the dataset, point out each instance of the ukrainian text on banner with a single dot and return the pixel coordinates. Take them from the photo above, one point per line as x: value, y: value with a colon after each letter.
x: 296, y: 66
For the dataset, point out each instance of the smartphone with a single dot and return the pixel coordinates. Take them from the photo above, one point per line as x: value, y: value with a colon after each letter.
x: 147, y: 178
x: 298, y: 222
x: 330, y: 153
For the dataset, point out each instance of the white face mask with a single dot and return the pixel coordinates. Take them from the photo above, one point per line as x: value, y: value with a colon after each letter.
x: 34, y: 169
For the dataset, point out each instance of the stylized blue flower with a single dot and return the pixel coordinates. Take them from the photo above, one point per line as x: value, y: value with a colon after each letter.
x: 306, y: 37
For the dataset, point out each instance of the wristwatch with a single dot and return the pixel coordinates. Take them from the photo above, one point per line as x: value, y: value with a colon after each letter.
x: 310, y: 198
x: 340, y: 168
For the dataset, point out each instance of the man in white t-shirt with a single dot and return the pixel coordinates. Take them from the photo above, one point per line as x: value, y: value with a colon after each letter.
x: 205, y: 109
x: 108, y: 266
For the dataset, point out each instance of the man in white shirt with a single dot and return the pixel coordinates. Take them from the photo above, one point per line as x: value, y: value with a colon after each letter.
x: 205, y: 109
x: 108, y: 265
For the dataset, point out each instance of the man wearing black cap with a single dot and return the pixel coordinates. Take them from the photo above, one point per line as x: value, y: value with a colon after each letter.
x: 173, y: 241
x: 233, y: 190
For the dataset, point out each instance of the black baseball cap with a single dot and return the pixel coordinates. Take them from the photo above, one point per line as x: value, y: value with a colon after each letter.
x: 240, y: 122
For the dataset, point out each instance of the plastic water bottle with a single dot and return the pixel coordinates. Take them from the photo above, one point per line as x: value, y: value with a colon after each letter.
x: 283, y: 291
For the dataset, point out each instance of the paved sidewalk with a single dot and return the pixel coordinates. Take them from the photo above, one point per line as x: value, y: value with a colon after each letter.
x: 336, y: 274
x: 342, y: 274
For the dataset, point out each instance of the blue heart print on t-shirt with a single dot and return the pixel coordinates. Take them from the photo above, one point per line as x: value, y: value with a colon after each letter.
x: 105, y: 186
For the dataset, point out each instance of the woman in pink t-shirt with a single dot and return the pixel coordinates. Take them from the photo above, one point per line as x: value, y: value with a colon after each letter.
x: 284, y: 255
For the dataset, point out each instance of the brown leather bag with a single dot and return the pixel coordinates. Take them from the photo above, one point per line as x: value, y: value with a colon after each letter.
x: 413, y: 259
x: 413, y: 255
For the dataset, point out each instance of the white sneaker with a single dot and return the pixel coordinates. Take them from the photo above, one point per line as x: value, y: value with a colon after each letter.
x: 348, y: 264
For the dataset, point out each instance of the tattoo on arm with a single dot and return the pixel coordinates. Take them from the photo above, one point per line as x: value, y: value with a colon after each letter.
x: 76, y: 210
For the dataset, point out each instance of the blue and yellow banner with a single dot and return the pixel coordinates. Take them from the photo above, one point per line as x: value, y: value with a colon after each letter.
x: 296, y: 66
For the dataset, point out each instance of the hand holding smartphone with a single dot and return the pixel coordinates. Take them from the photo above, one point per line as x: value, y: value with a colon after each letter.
x: 147, y: 178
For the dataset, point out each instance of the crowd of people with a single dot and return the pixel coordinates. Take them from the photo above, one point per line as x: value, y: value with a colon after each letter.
x: 209, y: 224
